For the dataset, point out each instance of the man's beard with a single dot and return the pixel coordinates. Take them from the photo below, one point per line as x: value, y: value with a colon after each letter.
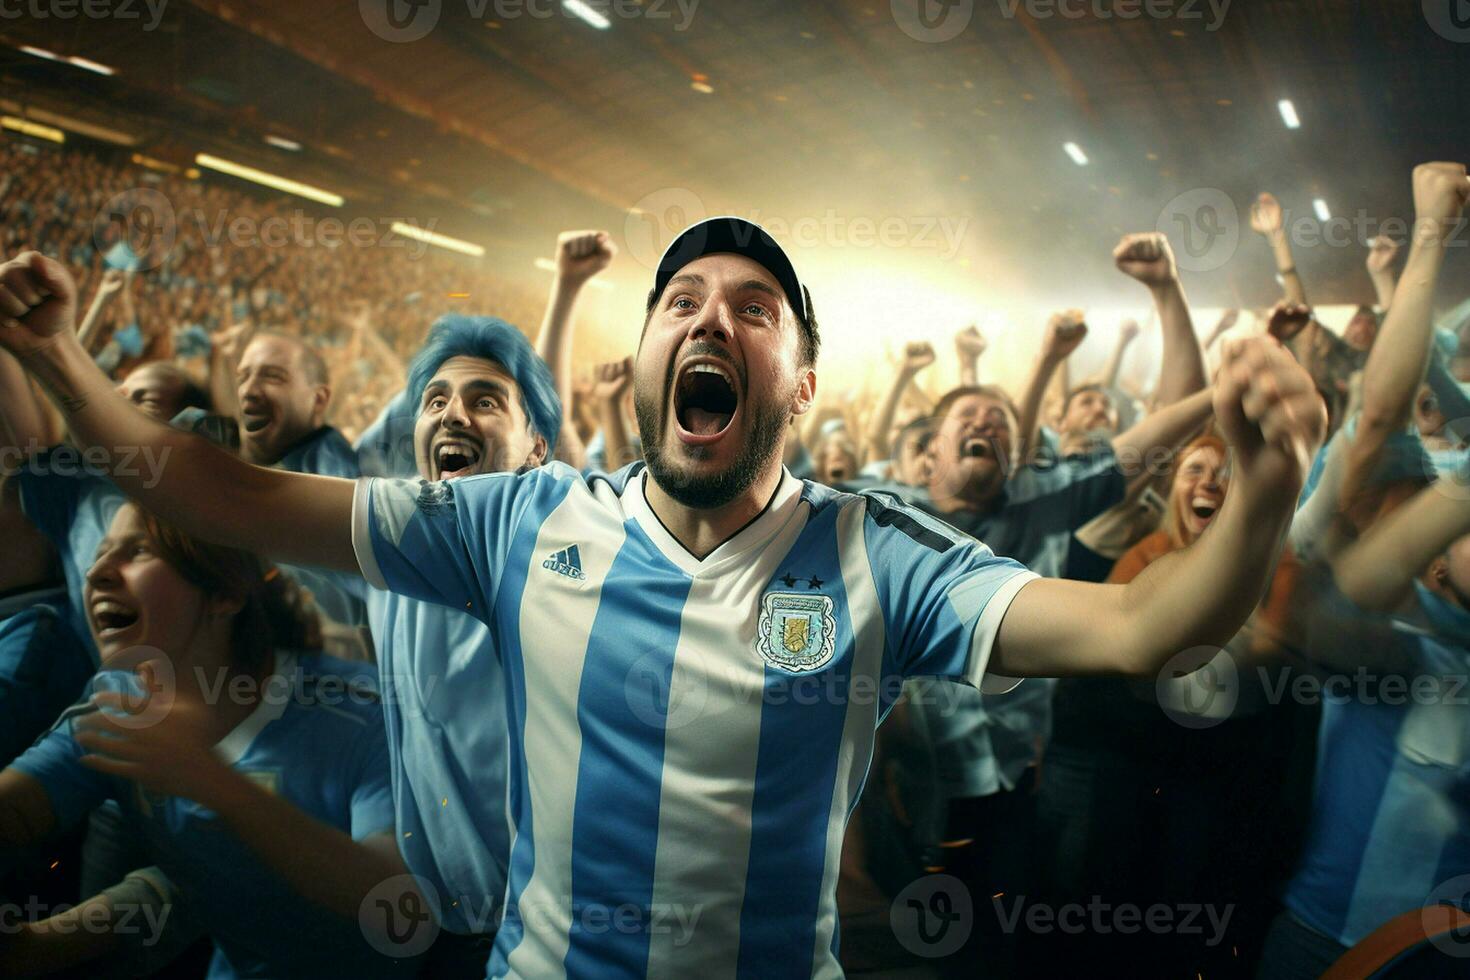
x: 768, y: 422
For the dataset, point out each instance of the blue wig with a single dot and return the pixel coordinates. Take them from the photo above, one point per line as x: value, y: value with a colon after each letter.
x: 492, y: 339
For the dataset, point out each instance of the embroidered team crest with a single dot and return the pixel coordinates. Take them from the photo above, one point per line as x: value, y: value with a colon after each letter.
x: 796, y: 632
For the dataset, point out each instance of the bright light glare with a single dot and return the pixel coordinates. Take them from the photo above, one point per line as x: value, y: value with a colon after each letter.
x: 593, y: 17
x: 273, y: 181
x: 433, y: 238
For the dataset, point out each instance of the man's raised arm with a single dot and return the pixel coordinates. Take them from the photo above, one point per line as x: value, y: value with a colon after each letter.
x: 1274, y: 420
x: 1402, y: 351
x: 1149, y: 259
x: 301, y: 519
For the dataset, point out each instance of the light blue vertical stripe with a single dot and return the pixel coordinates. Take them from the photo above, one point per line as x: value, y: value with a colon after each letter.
x: 802, y: 719
x: 620, y: 773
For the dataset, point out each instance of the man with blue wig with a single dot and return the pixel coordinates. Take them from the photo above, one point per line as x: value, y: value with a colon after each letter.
x: 483, y: 402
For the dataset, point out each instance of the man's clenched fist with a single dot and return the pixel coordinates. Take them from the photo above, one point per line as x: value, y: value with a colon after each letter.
x: 1440, y: 193
x: 580, y: 255
x: 1065, y: 332
x: 1146, y: 257
x: 1270, y: 413
x: 38, y: 301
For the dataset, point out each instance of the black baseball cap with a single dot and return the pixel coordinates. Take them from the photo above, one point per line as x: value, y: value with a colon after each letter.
x: 740, y: 237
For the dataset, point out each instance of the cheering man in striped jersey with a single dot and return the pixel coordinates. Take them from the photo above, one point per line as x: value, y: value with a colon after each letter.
x: 692, y: 700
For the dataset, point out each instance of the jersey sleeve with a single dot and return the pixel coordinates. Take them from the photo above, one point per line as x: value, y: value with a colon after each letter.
x: 55, y: 762
x: 50, y: 501
x: 444, y: 542
x: 943, y: 594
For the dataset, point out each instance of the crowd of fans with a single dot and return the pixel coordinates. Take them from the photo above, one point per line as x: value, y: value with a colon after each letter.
x: 1272, y: 829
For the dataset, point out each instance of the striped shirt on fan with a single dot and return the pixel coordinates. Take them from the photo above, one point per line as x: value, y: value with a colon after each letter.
x: 687, y: 736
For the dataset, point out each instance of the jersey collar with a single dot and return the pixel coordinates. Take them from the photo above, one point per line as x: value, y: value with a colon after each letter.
x: 277, y: 691
x: 778, y: 511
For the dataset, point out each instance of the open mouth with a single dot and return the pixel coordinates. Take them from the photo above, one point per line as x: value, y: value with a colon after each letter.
x: 705, y: 401
x: 456, y: 459
x: 254, y: 419
x: 111, y: 617
x: 977, y: 448
x: 1203, y: 510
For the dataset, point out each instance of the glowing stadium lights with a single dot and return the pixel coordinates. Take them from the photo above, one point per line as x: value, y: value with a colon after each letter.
x: 273, y: 181
x: 36, y: 52
x: 1075, y: 152
x: 281, y: 143
x: 87, y: 64
x: 1323, y: 214
x: 442, y: 241
x: 579, y: 9
x: 1288, y: 114
x: 93, y: 66
x: 32, y: 129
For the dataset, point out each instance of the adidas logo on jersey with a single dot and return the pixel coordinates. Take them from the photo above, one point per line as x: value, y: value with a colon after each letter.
x: 568, y: 563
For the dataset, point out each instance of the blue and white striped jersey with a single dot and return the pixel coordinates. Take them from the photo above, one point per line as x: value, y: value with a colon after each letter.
x: 687, y: 737
x: 1391, y: 796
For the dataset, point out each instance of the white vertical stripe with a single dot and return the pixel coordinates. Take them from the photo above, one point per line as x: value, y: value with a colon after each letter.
x: 869, y: 636
x: 556, y: 619
x: 710, y: 753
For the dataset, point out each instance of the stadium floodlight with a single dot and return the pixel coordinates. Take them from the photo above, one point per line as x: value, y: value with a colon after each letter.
x: 433, y: 238
x: 87, y: 64
x: 35, y: 129
x: 93, y: 66
x: 1288, y: 114
x: 581, y: 10
x: 1323, y: 214
x: 281, y: 143
x: 1075, y: 152
x: 36, y: 52
x: 273, y: 181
